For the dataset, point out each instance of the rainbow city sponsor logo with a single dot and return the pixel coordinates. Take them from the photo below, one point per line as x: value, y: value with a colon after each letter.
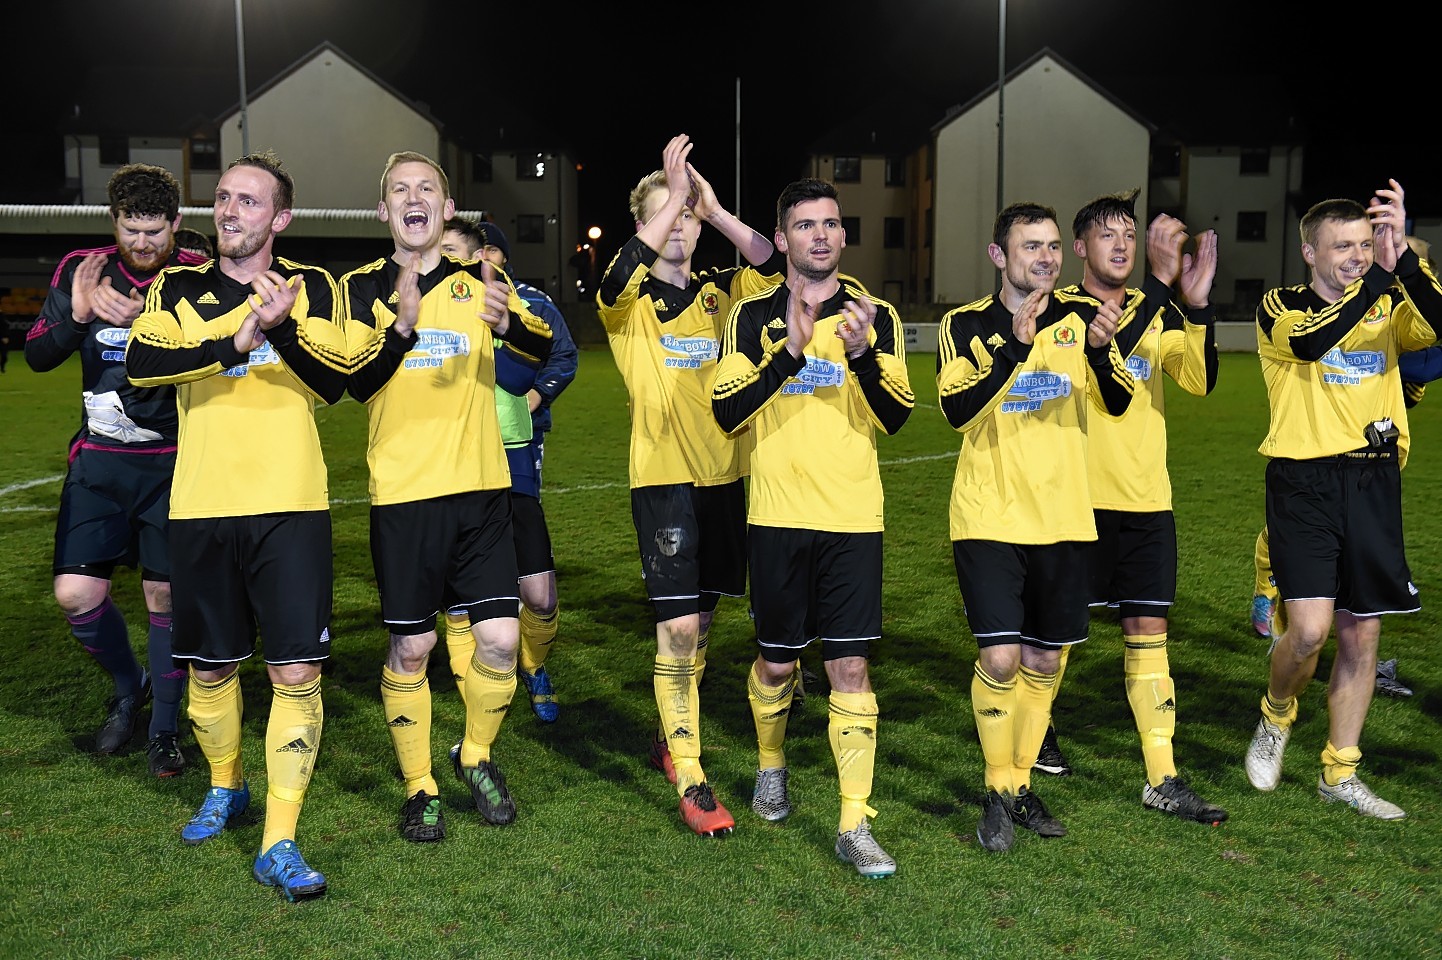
x: 260, y: 356
x: 434, y: 347
x: 112, y: 342
x: 691, y: 351
x: 1350, y: 368
x: 1035, y: 388
x: 1139, y: 367
x: 816, y: 373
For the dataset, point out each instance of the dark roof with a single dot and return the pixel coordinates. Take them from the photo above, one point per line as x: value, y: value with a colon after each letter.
x: 880, y: 127
x: 1235, y: 108
x: 198, y: 106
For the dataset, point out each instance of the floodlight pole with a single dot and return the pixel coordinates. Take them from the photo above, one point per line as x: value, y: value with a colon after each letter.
x: 240, y: 61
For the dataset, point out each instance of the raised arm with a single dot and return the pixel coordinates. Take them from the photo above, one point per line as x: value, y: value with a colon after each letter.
x: 753, y: 246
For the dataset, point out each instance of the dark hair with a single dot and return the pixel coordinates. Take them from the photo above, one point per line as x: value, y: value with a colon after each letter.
x: 1340, y: 211
x: 270, y: 163
x: 467, y: 228
x: 188, y: 239
x: 1012, y: 214
x: 1105, y: 209
x: 144, y: 190
x: 799, y: 191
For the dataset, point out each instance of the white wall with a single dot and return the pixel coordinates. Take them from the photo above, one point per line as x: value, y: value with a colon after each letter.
x: 333, y: 127
x: 1065, y: 144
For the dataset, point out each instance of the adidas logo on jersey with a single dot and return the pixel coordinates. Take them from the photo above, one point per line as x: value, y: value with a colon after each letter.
x: 1168, y: 705
x: 298, y: 745
x: 395, y: 298
x: 996, y: 340
x: 402, y: 721
x: 208, y: 298
x: 680, y: 733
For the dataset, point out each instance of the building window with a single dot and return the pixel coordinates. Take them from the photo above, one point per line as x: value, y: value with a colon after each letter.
x: 114, y: 151
x: 852, y: 226
x: 896, y: 171
x: 1252, y: 225
x: 846, y: 170
x: 530, y: 165
x: 1166, y: 160
x: 1255, y: 160
x: 530, y: 228
x: 1247, y: 295
x: 480, y: 168
x: 204, y: 155
x: 893, y: 233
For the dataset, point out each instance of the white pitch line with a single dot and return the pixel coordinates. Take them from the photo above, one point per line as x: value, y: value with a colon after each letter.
x: 27, y: 484
x: 337, y: 502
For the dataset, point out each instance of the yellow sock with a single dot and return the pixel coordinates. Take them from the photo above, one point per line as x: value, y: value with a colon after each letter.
x: 679, y: 703
x: 215, y: 711
x: 489, y: 692
x: 460, y: 648
x: 1262, y: 563
x: 851, y: 727
x: 1153, y: 697
x: 993, y: 705
x: 1283, y: 713
x: 1060, y: 670
x: 406, y: 701
x: 1033, y: 716
x: 770, y: 707
x: 537, y: 635
x: 1338, y: 765
x: 702, y: 639
x: 292, y: 742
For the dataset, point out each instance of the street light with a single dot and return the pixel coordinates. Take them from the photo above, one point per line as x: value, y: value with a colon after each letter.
x: 240, y: 60
x: 595, y: 234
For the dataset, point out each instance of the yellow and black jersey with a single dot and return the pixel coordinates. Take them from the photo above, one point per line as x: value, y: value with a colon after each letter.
x: 1127, y: 455
x: 813, y: 419
x: 247, y: 437
x: 1021, y: 475
x: 430, y: 397
x: 666, y: 340
x: 1331, y: 368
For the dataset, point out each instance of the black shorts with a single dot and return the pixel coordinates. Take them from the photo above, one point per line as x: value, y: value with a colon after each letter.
x: 533, y: 538
x: 456, y: 552
x: 692, y: 541
x: 1134, y: 562
x: 1034, y: 594
x: 814, y: 583
x: 115, y: 511
x: 1335, y: 532
x: 233, y: 575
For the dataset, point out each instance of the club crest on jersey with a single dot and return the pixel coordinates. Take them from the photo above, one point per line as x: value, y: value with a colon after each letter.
x: 1375, y: 315
x: 711, y: 304
x: 691, y: 351
x: 1035, y: 387
x: 460, y: 291
x: 1063, y: 335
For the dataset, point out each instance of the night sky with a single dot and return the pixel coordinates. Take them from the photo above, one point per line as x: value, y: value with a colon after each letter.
x: 621, y: 88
